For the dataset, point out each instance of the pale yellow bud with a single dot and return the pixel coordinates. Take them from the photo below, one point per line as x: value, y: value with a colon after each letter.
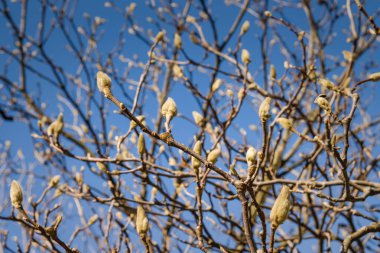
x: 160, y: 36
x: 272, y: 72
x: 190, y: 19
x: 250, y: 156
x: 194, y: 38
x: 241, y: 93
x: 141, y: 144
x: 374, y: 76
x: 104, y: 83
x: 56, y: 127
x: 131, y: 8
x: 244, y: 27
x: 54, y: 181
x: 264, y: 110
x: 281, y: 207
x: 169, y: 109
x: 92, y: 219
x: 177, y: 40
x: 133, y: 124
x: 327, y: 83
x: 79, y: 178
x: 195, y: 162
x: 16, y: 194
x: 197, y: 118
x: 141, y: 222
x: 230, y: 93
x: 347, y: 55
x: 216, y: 85
x: 214, y: 155
x: 268, y: 14
x: 285, y: 123
x: 245, y: 56
x: 177, y: 71
x: 322, y: 102
x: 101, y: 166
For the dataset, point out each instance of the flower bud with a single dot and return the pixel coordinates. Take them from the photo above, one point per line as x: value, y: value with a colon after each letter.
x: 177, y: 40
x: 133, y: 124
x: 16, y: 194
x: 268, y: 14
x: 216, y: 85
x: 213, y: 155
x: 131, y: 8
x: 54, y: 181
x: 374, y: 77
x: 322, y: 102
x: 169, y: 110
x: 104, y: 83
x: 194, y: 38
x: 160, y: 36
x: 327, y: 83
x: 56, y: 127
x: 141, y: 144
x: 285, y: 123
x: 190, y: 19
x: 195, y: 162
x: 281, y: 207
x: 92, y: 219
x: 230, y: 93
x: 272, y: 73
x: 264, y: 110
x: 250, y: 156
x: 245, y: 57
x: 141, y: 222
x: 177, y: 71
x: 197, y: 118
x: 244, y: 27
x: 101, y: 167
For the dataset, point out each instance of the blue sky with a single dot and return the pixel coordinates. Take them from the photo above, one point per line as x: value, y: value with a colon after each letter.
x: 19, y: 135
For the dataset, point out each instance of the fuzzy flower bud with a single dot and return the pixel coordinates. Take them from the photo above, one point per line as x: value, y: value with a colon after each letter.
x: 322, y: 102
x: 327, y: 83
x: 169, y: 110
x: 197, y: 118
x: 141, y: 222
x: 92, y: 219
x: 160, y: 36
x: 177, y: 71
x: 374, y: 77
x: 250, y: 156
x: 264, y: 110
x: 54, y: 181
x: 285, y: 123
x: 177, y: 40
x: 101, y: 166
x: 216, y: 85
x: 268, y: 14
x: 16, y: 194
x: 245, y: 56
x: 141, y: 144
x: 133, y: 124
x: 244, y: 27
x: 272, y: 72
x: 281, y: 207
x: 56, y: 127
x: 214, y: 155
x: 195, y: 162
x: 104, y: 83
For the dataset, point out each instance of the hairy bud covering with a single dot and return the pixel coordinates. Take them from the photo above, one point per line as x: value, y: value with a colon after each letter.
x: 281, y: 207
x: 16, y: 194
x: 141, y: 222
x: 264, y: 110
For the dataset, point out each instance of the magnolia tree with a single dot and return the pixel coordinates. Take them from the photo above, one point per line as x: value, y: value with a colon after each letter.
x: 189, y: 126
